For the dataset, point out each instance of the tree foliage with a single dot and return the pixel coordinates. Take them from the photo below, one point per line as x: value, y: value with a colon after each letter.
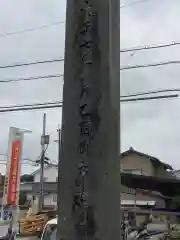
x: 27, y: 178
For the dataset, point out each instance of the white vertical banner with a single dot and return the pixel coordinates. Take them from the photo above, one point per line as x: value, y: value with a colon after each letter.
x: 13, y: 168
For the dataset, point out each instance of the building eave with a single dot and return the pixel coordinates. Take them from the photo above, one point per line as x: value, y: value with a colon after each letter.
x: 47, y: 166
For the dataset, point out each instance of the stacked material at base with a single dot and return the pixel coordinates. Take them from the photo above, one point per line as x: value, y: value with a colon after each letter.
x: 33, y: 224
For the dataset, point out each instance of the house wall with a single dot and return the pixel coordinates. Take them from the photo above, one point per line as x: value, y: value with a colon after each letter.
x: 147, y: 168
x: 50, y: 200
x: 160, y: 171
x: 134, y: 161
x: 50, y: 175
x: 144, y: 197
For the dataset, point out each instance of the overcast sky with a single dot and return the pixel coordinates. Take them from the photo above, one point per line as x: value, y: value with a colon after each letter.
x: 47, y: 43
x: 151, y: 127
x: 154, y: 126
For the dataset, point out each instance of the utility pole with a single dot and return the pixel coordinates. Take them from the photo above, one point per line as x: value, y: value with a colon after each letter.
x: 89, y: 167
x: 43, y: 142
x: 58, y: 141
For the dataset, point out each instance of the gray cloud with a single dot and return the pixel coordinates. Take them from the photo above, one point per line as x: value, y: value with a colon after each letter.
x: 47, y: 43
x: 151, y: 127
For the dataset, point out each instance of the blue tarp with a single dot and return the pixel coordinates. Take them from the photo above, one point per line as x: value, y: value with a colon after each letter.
x: 6, y: 215
x: 165, y: 210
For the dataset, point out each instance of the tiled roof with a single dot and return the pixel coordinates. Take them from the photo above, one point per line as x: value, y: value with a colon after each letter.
x: 153, y: 159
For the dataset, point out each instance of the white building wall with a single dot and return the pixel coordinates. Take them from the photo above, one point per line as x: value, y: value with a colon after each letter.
x: 50, y: 200
x: 50, y: 175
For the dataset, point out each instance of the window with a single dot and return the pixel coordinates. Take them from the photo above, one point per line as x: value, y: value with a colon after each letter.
x: 126, y: 190
x: 54, y: 198
x: 132, y: 171
x: 45, y: 179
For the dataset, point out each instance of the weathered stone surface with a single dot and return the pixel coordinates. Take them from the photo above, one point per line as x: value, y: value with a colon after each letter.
x: 89, y: 165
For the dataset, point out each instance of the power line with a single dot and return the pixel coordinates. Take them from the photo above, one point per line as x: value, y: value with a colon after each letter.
x: 57, y: 104
x: 133, y: 3
x: 150, y: 98
x: 30, y: 108
x: 61, y: 59
x: 32, y: 78
x: 31, y: 63
x: 149, y: 65
x: 30, y: 29
x: 22, y: 163
x: 24, y: 159
x: 148, y: 47
x: 31, y: 105
x: 151, y: 92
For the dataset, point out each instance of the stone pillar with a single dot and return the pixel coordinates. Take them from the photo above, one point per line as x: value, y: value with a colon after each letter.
x: 89, y: 167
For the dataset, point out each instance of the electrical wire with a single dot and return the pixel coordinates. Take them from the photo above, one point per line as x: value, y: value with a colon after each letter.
x: 133, y: 3
x: 23, y: 159
x: 54, y: 103
x: 22, y: 163
x: 30, y: 108
x: 149, y: 65
x: 31, y: 105
x: 150, y: 98
x: 151, y: 92
x: 57, y: 104
x: 31, y: 63
x: 30, y: 29
x: 32, y: 78
x: 148, y: 47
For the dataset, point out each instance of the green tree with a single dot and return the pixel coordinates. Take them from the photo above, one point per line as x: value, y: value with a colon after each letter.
x: 27, y: 178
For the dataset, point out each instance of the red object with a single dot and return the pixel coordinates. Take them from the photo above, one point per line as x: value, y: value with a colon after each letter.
x: 14, y: 172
